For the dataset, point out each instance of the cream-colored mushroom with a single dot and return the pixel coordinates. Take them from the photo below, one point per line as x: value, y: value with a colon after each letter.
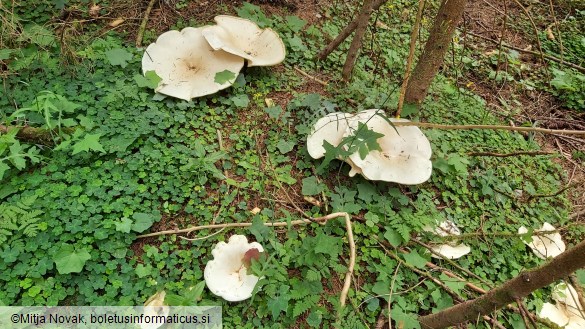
x: 449, y: 250
x: 226, y: 275
x: 242, y: 37
x: 155, y: 305
x: 187, y: 64
x: 545, y: 245
x: 329, y: 128
x: 567, y: 312
x: 405, y: 151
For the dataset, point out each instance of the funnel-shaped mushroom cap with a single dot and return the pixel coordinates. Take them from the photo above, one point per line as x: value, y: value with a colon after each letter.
x: 449, y: 250
x: 187, y: 64
x: 329, y: 128
x: 405, y: 155
x: 155, y: 306
x: 226, y: 275
x: 568, y: 312
x: 546, y: 245
x: 242, y: 37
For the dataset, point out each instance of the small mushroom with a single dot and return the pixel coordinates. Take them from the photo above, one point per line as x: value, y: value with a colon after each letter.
x: 567, y: 312
x: 242, y: 37
x: 187, y: 64
x: 155, y: 305
x: 545, y: 245
x: 227, y: 274
x: 449, y: 250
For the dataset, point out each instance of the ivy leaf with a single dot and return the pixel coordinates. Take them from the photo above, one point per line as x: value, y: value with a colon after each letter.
x: 124, y: 225
x: 326, y: 244
x: 284, y: 146
x: 149, y: 80
x: 119, y: 57
x: 225, y: 76
x: 142, y: 271
x: 404, y: 320
x: 241, y: 100
x: 70, y: 259
x: 273, y: 111
x: 89, y: 142
x: 311, y: 186
x: 259, y: 230
x: 312, y: 101
x: 280, y: 303
x: 143, y: 221
x: 393, y: 237
x: 414, y: 259
x: 294, y: 23
x: 3, y: 168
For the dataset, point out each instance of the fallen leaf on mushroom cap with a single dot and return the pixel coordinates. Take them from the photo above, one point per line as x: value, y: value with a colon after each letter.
x: 405, y: 155
x: 450, y: 250
x: 567, y: 312
x: 226, y: 275
x: 187, y: 64
x: 242, y: 37
x: 155, y: 305
x: 545, y: 245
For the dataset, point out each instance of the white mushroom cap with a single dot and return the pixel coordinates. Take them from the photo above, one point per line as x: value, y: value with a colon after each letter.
x: 405, y: 156
x: 155, y: 306
x: 329, y: 128
x: 242, y: 37
x: 187, y: 64
x: 449, y: 250
x: 568, y: 311
x: 226, y: 275
x: 547, y: 245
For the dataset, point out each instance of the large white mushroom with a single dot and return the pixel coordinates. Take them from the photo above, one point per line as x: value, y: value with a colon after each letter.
x: 545, y: 245
x: 567, y: 312
x: 405, y: 155
x: 187, y: 64
x: 242, y: 37
x: 448, y: 250
x: 227, y: 275
x: 155, y: 305
x: 405, y: 151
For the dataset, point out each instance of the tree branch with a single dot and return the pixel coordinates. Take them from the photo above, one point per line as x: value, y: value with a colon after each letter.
x: 519, y: 287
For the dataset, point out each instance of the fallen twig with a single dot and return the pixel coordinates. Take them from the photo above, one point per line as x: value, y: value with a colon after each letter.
x: 505, y: 155
x: 143, y: 23
x: 310, y: 76
x: 493, y: 127
x: 321, y: 220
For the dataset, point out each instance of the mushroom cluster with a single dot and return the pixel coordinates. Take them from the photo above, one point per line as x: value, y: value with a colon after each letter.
x: 449, y: 250
x: 405, y: 152
x: 227, y: 274
x: 187, y: 61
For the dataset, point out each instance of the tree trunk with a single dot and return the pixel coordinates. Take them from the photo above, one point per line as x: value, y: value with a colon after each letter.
x: 356, y: 44
x: 448, y: 17
x: 519, y: 287
x: 346, y: 32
